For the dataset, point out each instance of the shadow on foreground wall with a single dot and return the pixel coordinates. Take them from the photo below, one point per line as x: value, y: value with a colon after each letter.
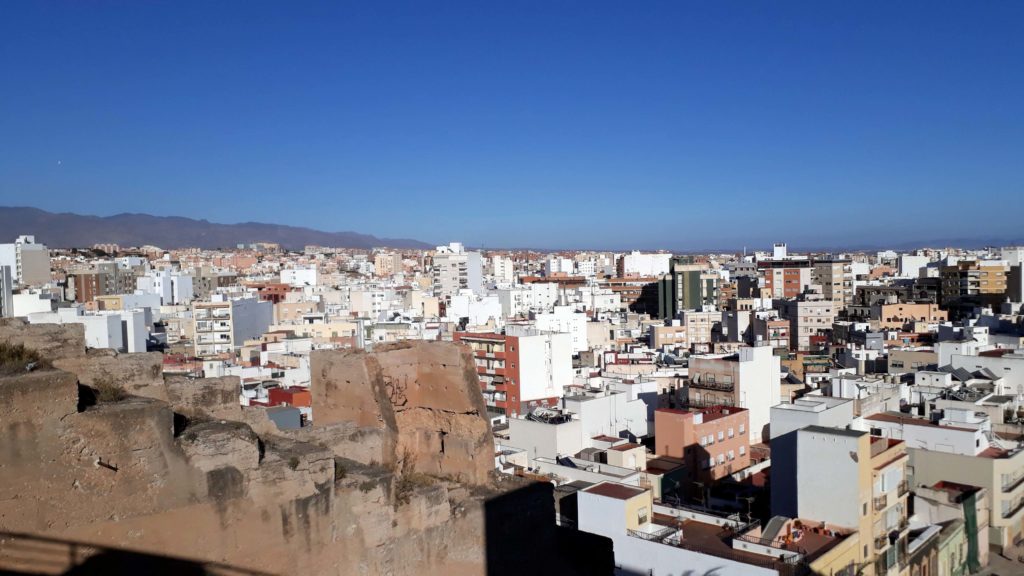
x: 522, y: 538
x: 29, y: 554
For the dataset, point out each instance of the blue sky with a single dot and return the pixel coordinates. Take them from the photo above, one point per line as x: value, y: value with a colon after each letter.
x: 679, y: 125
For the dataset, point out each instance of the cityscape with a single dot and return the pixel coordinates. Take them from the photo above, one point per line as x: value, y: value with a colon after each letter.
x: 771, y: 412
x: 499, y: 289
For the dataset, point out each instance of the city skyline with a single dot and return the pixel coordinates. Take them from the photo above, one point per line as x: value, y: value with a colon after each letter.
x: 522, y: 128
x: 134, y: 224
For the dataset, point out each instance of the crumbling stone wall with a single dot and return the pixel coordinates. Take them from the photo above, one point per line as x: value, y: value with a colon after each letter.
x: 205, y: 398
x: 52, y: 341
x: 370, y: 489
x: 136, y: 374
x: 424, y: 398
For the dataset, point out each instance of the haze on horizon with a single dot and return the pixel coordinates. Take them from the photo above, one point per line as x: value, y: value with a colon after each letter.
x: 584, y: 124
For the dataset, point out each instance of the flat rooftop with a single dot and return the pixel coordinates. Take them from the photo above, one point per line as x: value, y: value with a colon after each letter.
x: 833, y: 431
x: 626, y: 446
x: 613, y: 490
x: 717, y: 541
x: 710, y: 413
x: 905, y: 420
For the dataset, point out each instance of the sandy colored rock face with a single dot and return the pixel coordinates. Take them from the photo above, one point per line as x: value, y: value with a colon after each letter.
x: 424, y: 396
x: 137, y: 374
x: 53, y: 341
x: 127, y: 473
x: 205, y: 398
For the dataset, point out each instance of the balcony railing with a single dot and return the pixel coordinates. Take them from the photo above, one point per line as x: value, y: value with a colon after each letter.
x: 1012, y: 485
x: 1014, y: 509
x: 903, y: 488
x: 777, y: 543
x: 658, y: 536
x: 880, y: 542
x: 712, y: 385
x: 881, y: 502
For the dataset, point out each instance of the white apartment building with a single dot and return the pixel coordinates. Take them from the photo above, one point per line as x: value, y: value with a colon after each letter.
x: 559, y: 265
x: 521, y: 299
x: 455, y: 269
x: 586, y: 267
x: 910, y: 265
x: 565, y: 319
x: 503, y: 269
x: 6, y: 292
x: 593, y: 298
x: 368, y: 301
x: 124, y: 331
x: 174, y: 288
x: 645, y: 265
x: 223, y: 325
x: 29, y: 262
x: 479, y: 310
x: 299, y: 276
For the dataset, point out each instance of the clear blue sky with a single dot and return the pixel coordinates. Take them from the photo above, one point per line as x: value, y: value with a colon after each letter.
x: 550, y: 124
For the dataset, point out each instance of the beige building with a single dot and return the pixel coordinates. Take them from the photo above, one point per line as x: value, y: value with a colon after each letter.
x: 296, y: 312
x: 984, y: 280
x: 901, y: 316
x: 810, y: 315
x: 387, y: 263
x: 999, y: 472
x: 699, y: 328
x: 836, y: 280
x: 851, y: 479
x: 672, y: 336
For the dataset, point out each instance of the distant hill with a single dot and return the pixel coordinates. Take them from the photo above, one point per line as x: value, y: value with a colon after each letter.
x: 67, y: 230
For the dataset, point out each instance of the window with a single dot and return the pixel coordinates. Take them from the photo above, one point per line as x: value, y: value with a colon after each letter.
x: 721, y: 458
x: 711, y: 463
x: 641, y: 515
x: 731, y: 433
x: 732, y: 455
x: 721, y: 435
x: 743, y: 450
x: 743, y: 428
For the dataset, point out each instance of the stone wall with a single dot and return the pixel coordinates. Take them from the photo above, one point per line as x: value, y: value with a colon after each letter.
x: 423, y: 397
x: 372, y: 488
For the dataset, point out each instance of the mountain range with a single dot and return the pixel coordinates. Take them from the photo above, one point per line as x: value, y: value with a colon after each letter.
x: 66, y: 230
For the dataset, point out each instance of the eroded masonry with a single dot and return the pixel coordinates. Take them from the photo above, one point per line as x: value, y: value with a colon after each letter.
x: 395, y: 477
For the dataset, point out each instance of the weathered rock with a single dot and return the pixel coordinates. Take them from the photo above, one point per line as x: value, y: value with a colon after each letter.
x: 362, y: 444
x: 32, y: 407
x: 52, y: 341
x: 423, y: 396
x: 136, y: 374
x: 205, y: 398
x: 227, y: 453
x: 115, y: 474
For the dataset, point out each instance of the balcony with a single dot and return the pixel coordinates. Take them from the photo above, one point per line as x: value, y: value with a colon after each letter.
x: 881, y: 542
x: 903, y: 488
x: 1014, y: 508
x: 712, y: 384
x: 1012, y: 485
x: 881, y: 502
